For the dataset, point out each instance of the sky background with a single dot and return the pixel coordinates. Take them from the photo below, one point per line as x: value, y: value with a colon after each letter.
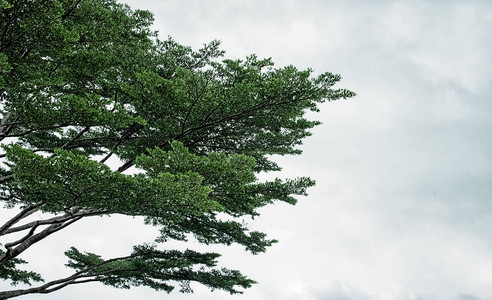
x: 402, y: 207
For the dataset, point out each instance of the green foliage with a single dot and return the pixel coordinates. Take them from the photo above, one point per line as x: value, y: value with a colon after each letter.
x: 150, y: 267
x: 68, y: 180
x: 83, y: 81
x: 10, y: 271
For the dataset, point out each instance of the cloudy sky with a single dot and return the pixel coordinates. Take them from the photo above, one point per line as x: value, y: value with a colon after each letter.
x: 402, y: 205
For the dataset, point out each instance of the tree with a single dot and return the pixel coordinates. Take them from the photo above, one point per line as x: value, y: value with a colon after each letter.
x: 83, y: 81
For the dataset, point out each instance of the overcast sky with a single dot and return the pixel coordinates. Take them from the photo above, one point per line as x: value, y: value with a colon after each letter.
x: 402, y: 206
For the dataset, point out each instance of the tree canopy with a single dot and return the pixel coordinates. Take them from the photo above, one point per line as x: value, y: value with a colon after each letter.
x: 86, y: 82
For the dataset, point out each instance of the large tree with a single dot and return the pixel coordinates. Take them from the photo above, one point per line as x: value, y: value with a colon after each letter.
x: 84, y: 83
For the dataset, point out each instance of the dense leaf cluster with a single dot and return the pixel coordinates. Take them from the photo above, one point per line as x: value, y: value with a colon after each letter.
x: 84, y: 83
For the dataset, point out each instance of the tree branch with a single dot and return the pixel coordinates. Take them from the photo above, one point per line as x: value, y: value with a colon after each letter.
x: 6, y: 135
x: 14, y: 252
x: 198, y: 96
x: 133, y: 129
x: 4, y: 121
x: 68, y: 12
x: 54, y: 220
x: 47, y: 291
x: 44, y: 289
x: 6, y: 178
x: 241, y: 114
x: 63, y: 282
x: 7, y: 129
x: 23, y: 214
x: 79, y: 134
x: 9, y: 246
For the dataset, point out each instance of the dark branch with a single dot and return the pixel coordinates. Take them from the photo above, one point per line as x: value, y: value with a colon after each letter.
x: 68, y: 12
x: 132, y: 130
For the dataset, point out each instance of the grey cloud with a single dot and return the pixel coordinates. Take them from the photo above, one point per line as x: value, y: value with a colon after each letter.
x: 340, y: 292
x: 467, y: 297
